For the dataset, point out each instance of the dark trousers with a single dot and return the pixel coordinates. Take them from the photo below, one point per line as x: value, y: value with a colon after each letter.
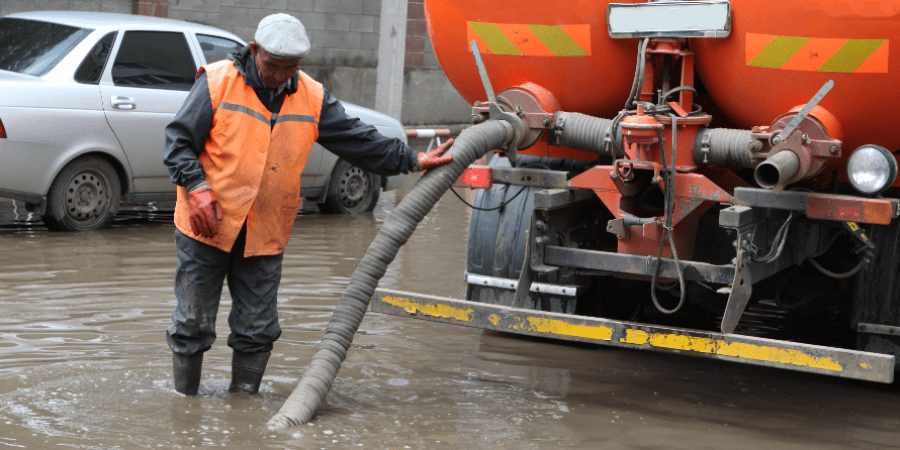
x: 253, y: 282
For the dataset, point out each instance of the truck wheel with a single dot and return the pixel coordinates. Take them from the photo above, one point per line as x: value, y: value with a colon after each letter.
x: 877, y: 292
x: 351, y: 190
x: 496, y: 245
x: 84, y: 196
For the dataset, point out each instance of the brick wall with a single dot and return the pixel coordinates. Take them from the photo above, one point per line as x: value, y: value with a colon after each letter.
x: 116, y: 6
x: 419, y: 52
x: 342, y: 32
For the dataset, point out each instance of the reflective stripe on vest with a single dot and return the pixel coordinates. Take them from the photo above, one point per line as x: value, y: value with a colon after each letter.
x: 253, y: 160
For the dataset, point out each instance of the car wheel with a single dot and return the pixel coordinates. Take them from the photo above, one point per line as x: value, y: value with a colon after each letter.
x: 84, y: 196
x: 351, y: 190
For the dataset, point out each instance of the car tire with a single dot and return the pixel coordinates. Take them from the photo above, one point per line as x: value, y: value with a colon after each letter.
x: 84, y: 196
x: 351, y: 190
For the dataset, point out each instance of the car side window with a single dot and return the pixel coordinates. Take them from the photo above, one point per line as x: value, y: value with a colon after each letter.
x: 154, y: 60
x: 217, y: 48
x: 92, y: 67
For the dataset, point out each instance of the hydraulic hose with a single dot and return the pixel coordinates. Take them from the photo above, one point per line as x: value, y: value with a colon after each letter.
x: 471, y: 144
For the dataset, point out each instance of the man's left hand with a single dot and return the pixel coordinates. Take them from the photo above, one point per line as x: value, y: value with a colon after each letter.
x: 434, y: 158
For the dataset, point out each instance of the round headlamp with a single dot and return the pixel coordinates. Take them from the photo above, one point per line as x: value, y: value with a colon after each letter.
x: 871, y: 169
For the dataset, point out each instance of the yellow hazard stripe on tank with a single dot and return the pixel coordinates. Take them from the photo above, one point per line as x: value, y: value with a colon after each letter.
x: 812, y: 54
x: 530, y: 39
x: 733, y: 349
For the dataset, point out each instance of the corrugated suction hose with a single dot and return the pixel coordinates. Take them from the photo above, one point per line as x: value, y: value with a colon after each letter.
x: 584, y: 132
x: 471, y: 144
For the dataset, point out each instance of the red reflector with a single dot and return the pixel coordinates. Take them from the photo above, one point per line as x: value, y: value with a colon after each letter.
x: 476, y: 177
x: 2, y: 130
x: 849, y: 209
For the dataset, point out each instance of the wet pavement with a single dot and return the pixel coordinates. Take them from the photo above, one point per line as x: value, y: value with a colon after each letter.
x: 84, y: 364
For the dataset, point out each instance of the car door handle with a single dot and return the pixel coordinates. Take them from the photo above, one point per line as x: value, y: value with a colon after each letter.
x: 119, y: 102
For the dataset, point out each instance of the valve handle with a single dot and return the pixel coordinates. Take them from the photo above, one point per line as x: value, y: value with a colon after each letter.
x: 485, y: 81
x: 781, y: 137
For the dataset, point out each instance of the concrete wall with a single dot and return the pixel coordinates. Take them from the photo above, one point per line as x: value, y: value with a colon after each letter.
x: 343, y: 33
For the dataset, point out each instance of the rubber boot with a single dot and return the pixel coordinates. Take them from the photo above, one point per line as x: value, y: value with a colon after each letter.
x: 186, y: 370
x: 247, y: 371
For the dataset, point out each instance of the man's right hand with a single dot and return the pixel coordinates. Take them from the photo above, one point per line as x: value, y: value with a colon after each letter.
x: 205, y: 213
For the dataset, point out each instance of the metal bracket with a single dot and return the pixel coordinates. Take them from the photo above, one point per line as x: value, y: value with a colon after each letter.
x: 878, y: 329
x: 526, y: 276
x: 620, y: 226
x: 741, y: 287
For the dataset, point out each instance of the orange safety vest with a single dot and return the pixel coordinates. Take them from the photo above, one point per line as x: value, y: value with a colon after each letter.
x: 254, y: 168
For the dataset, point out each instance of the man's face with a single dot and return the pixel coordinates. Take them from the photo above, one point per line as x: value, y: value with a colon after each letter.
x: 273, y: 71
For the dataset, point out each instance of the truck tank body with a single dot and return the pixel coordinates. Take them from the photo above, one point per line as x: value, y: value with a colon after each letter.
x: 780, y: 52
x: 562, y: 47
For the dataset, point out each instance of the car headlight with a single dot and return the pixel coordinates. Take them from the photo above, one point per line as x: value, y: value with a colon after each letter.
x: 871, y: 169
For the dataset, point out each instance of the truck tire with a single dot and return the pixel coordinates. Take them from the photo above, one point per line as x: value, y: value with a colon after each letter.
x: 877, y: 291
x: 351, y: 190
x: 496, y: 245
x: 84, y: 196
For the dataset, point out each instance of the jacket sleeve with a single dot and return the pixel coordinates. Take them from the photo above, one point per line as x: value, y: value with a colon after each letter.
x: 186, y: 136
x: 359, y: 143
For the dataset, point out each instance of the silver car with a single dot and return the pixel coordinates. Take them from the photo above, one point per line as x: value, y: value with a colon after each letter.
x: 84, y: 99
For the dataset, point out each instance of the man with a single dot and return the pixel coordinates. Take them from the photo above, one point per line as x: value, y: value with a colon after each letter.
x: 236, y: 150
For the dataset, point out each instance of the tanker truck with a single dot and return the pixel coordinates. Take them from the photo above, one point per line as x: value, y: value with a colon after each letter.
x: 680, y: 171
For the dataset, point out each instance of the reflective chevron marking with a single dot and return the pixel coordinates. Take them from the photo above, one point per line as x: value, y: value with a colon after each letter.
x: 817, y: 54
x: 531, y: 40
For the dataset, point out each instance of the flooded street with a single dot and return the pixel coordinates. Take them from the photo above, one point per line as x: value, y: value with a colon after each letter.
x: 84, y: 363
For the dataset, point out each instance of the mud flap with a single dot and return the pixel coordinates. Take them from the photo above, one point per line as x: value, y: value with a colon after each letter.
x: 730, y: 347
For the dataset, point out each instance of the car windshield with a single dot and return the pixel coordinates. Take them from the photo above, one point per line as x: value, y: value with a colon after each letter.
x: 32, y: 47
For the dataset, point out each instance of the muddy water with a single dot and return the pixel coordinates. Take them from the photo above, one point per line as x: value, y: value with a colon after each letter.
x: 84, y: 364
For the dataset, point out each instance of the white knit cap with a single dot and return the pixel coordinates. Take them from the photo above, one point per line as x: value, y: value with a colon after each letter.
x: 282, y: 36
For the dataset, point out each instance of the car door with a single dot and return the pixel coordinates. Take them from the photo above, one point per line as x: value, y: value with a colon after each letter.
x: 150, y: 76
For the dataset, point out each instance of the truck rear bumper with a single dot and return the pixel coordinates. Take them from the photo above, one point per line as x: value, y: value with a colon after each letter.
x: 729, y: 347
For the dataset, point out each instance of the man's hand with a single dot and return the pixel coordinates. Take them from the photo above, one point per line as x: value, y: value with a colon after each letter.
x: 205, y: 212
x: 433, y: 158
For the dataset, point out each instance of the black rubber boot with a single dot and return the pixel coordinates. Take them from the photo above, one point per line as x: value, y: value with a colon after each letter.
x: 186, y: 370
x: 247, y: 371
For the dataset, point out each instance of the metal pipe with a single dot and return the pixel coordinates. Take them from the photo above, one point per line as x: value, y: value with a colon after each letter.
x: 774, y: 172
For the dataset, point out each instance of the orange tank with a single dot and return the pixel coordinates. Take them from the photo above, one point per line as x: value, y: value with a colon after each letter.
x: 562, y: 47
x: 780, y: 52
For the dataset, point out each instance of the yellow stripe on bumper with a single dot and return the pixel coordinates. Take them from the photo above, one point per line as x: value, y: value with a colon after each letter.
x: 730, y: 347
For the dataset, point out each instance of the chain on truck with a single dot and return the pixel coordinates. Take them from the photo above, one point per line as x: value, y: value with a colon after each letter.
x: 682, y: 160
